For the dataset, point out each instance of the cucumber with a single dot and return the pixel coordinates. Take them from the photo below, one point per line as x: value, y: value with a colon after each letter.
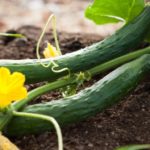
x: 123, y: 41
x: 86, y: 103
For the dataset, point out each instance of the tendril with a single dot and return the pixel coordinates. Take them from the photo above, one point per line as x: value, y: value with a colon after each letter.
x: 54, y: 67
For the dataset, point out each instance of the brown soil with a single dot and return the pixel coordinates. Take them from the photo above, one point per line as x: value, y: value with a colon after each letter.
x: 126, y: 123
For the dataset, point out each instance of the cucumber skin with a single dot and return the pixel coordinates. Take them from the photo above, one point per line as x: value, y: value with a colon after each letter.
x: 86, y: 103
x: 126, y: 39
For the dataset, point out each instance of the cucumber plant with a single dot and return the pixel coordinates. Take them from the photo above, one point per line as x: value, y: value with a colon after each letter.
x: 18, y: 119
x: 86, y: 103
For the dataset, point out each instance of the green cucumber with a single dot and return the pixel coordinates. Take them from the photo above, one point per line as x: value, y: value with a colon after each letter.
x: 86, y: 103
x: 122, y: 42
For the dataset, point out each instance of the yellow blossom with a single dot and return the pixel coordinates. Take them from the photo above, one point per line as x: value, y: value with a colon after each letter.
x: 11, y: 87
x: 50, y: 51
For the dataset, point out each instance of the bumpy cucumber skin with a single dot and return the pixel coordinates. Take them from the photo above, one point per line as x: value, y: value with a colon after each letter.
x: 127, y: 38
x: 86, y: 103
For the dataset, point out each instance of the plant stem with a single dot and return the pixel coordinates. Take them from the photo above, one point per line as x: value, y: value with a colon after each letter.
x: 53, y: 19
x: 135, y: 147
x: 12, y: 35
x: 5, y: 118
x: 118, y: 61
x: 42, y: 90
x: 47, y: 118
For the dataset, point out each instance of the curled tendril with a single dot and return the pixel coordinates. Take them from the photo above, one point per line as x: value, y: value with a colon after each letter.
x: 54, y: 67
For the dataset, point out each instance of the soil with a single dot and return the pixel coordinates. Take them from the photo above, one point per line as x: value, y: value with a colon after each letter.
x: 69, y: 14
x: 125, y: 123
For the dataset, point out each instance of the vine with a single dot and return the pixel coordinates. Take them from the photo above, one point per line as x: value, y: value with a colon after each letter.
x: 52, y: 19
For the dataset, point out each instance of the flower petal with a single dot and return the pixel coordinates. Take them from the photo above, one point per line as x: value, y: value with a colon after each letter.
x: 4, y: 79
x: 18, y: 94
x: 4, y: 103
x: 16, y: 80
x: 11, y: 87
x: 50, y: 51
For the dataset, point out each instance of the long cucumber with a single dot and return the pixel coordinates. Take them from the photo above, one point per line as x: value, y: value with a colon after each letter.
x: 123, y: 41
x: 86, y: 103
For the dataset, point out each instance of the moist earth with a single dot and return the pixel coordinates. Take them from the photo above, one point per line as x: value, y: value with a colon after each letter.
x: 125, y: 123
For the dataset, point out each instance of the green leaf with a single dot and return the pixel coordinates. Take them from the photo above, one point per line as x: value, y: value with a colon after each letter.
x: 113, y: 11
x: 135, y: 147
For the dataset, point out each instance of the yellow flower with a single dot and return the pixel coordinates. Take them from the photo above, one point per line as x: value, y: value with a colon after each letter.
x: 50, y: 51
x: 11, y: 87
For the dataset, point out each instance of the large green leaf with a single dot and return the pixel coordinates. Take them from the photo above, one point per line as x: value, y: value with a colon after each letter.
x: 112, y: 11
